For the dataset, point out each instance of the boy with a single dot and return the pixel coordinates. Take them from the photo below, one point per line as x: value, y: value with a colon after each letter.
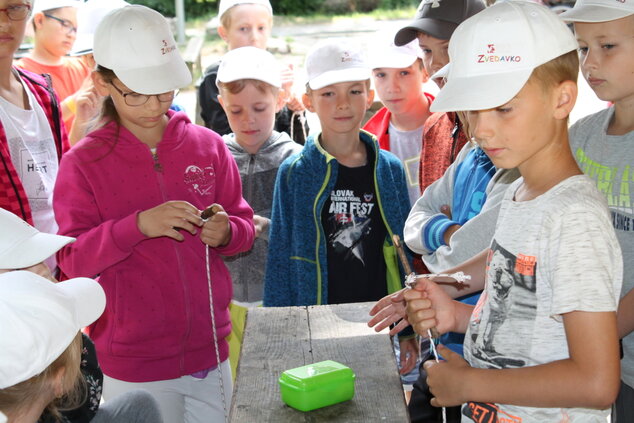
x: 246, y: 23
x: 600, y: 143
x: 249, y: 84
x: 514, y: 68
x: 338, y: 202
x: 398, y: 75
x: 433, y: 25
x: 55, y: 30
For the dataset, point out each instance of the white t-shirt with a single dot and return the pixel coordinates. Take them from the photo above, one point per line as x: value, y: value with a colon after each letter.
x: 34, y: 156
x: 406, y: 145
x: 552, y: 255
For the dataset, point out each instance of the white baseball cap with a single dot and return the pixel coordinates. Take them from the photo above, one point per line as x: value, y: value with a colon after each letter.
x: 88, y: 18
x: 494, y: 52
x: 333, y: 61
x: 40, y: 319
x: 44, y: 5
x: 228, y: 4
x: 21, y: 245
x: 249, y: 63
x: 136, y: 43
x: 384, y: 53
x: 598, y: 10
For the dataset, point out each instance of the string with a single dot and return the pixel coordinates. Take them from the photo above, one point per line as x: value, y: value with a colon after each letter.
x: 213, y: 327
x: 434, y: 352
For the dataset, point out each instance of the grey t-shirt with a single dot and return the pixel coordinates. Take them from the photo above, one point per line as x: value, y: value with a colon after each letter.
x: 609, y: 161
x: 406, y: 145
x: 549, y: 256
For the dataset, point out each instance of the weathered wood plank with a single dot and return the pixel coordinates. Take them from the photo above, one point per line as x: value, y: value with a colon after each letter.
x: 277, y: 339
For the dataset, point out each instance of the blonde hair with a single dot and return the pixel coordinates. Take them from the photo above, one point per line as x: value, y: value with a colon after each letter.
x: 235, y: 87
x: 23, y: 395
x: 554, y: 72
x: 225, y: 19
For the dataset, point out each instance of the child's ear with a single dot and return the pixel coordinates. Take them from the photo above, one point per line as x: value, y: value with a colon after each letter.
x: 565, y: 98
x: 370, y: 99
x: 222, y: 102
x: 37, y: 20
x: 306, y: 99
x: 222, y: 31
x: 425, y: 75
x: 100, y: 84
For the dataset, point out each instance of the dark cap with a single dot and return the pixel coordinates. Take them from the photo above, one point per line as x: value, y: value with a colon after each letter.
x: 438, y: 18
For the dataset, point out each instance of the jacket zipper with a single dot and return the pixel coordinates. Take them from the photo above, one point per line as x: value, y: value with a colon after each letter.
x: 158, y: 168
x: 316, y: 219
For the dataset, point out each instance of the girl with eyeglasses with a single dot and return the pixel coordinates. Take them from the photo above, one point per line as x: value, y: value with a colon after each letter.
x: 132, y: 192
x: 55, y: 30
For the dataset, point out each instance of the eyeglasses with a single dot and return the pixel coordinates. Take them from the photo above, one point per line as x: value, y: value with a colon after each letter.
x: 17, y: 12
x: 66, y: 24
x: 135, y: 99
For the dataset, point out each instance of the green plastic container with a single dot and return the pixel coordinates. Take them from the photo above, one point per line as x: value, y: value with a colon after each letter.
x: 317, y: 385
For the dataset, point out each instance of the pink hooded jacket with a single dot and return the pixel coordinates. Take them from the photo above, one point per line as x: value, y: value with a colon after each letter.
x: 157, y: 322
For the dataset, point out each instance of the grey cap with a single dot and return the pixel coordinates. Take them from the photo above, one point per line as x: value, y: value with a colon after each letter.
x: 438, y: 18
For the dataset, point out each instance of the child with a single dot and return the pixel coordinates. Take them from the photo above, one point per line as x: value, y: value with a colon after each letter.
x: 443, y: 137
x: 55, y: 30
x: 22, y: 247
x: 32, y: 135
x: 337, y: 204
x: 600, y: 143
x: 40, y: 346
x: 139, y: 183
x: 398, y: 75
x: 514, y: 69
x: 247, y: 23
x: 249, y: 84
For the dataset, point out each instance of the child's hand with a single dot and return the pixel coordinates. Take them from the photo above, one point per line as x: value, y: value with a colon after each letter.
x: 447, y: 378
x: 429, y: 306
x: 294, y: 103
x: 42, y: 270
x: 261, y: 224
x: 87, y: 102
x: 216, y: 231
x: 409, y: 354
x: 288, y: 76
x: 388, y: 310
x: 167, y: 218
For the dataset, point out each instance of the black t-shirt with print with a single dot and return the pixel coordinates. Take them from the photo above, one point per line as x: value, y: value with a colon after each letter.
x: 355, y: 233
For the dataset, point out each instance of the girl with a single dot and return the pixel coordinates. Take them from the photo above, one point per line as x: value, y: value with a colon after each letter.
x: 40, y: 346
x: 138, y: 185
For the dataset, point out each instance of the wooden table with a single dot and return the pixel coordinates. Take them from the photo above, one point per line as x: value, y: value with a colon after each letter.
x: 281, y: 338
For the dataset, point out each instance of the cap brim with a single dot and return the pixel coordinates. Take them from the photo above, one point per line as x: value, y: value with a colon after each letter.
x: 33, y: 250
x: 479, y: 92
x: 169, y: 76
x: 343, y: 75
x: 442, y: 72
x: 90, y: 299
x: 433, y: 27
x: 391, y: 60
x: 594, y: 14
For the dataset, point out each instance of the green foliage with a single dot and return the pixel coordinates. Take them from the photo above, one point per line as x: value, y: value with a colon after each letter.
x: 208, y: 8
x: 193, y: 8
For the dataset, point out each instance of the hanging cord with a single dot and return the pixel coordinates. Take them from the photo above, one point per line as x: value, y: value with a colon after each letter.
x: 206, y: 215
x: 301, y: 116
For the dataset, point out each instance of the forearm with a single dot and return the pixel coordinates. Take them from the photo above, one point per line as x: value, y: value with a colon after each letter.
x: 625, y: 315
x: 556, y: 384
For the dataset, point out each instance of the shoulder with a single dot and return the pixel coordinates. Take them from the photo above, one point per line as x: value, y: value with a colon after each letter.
x: 593, y: 124
x: 575, y: 196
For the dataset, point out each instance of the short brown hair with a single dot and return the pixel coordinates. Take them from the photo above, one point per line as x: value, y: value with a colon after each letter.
x: 368, y: 85
x: 560, y: 69
x: 236, y: 87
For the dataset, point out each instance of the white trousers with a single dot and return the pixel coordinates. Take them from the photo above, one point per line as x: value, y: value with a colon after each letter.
x: 186, y: 399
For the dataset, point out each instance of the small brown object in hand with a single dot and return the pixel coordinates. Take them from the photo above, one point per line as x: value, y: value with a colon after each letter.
x: 209, y: 212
